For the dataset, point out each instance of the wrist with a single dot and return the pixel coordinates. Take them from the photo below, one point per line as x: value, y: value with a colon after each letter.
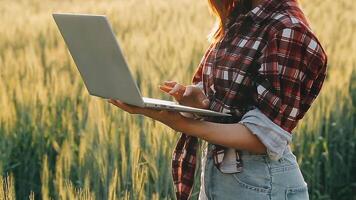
x: 175, y: 122
x: 181, y: 124
x: 192, y: 127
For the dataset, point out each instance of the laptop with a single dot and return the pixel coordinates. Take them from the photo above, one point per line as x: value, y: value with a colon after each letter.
x: 102, y: 66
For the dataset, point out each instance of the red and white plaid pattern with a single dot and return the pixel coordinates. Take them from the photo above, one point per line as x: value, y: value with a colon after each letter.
x: 276, y: 36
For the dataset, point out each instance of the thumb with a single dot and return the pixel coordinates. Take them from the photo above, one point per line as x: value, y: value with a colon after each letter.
x: 206, y: 102
x: 188, y: 91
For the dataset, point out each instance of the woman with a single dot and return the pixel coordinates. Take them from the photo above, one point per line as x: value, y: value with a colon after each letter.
x: 265, y: 67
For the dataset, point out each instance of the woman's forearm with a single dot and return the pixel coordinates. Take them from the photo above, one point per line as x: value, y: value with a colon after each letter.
x: 229, y: 135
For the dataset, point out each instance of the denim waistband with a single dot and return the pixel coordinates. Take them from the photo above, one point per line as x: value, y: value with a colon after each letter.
x: 285, y: 163
x: 287, y: 150
x: 245, y: 153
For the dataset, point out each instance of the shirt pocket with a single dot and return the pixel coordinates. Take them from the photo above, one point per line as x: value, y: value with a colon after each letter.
x: 252, y: 184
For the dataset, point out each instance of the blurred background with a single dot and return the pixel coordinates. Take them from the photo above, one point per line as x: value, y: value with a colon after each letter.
x: 57, y: 142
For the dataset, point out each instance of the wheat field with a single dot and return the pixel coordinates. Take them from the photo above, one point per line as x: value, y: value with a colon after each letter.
x: 57, y: 142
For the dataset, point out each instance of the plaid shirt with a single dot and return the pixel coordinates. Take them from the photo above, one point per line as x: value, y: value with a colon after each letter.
x: 276, y: 37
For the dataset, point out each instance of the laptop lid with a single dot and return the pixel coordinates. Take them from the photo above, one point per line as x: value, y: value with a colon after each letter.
x: 98, y: 57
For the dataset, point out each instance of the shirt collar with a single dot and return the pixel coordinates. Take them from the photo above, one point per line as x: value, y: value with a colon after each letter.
x: 264, y: 10
x: 258, y: 13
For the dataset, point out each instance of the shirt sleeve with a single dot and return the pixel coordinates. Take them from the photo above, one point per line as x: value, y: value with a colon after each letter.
x: 270, y: 134
x: 199, y: 85
x: 294, y: 63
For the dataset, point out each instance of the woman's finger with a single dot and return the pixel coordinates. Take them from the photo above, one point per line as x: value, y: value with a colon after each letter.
x: 123, y: 106
x: 178, y: 88
x: 119, y: 104
x: 133, y: 109
x: 170, y: 83
x: 166, y: 89
x: 188, y: 91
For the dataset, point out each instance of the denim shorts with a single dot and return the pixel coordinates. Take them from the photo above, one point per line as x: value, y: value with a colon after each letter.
x: 260, y: 179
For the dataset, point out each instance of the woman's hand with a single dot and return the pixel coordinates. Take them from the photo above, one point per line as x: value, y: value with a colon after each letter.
x: 185, y: 95
x: 190, y: 95
x: 171, y: 119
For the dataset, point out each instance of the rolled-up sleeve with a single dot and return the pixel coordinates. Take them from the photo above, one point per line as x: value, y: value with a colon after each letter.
x: 294, y: 63
x: 271, y: 135
x: 199, y: 85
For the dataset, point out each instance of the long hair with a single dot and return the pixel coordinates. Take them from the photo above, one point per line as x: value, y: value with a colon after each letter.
x: 222, y: 9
